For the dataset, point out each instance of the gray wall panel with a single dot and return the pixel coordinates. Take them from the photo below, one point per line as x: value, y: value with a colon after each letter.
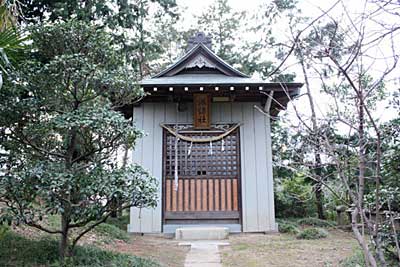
x: 157, y: 159
x: 147, y: 159
x: 261, y: 167
x: 137, y: 158
x: 249, y: 175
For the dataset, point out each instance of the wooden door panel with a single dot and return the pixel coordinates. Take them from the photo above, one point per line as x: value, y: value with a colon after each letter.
x: 201, y: 195
x: 208, y: 182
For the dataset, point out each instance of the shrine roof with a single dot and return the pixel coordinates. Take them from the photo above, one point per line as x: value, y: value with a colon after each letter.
x: 201, y: 70
x: 211, y: 79
x: 201, y: 66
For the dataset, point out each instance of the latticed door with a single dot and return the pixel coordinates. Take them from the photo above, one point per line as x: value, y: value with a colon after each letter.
x: 208, y: 178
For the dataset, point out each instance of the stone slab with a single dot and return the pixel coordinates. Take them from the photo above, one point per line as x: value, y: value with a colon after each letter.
x: 202, y: 233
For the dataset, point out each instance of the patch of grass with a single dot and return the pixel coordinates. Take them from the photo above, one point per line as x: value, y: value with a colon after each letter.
x: 355, y: 260
x: 288, y: 227
x: 93, y: 256
x: 241, y: 246
x: 312, y: 233
x: 112, y: 231
x: 3, y: 230
x: 316, y: 222
x: 16, y: 250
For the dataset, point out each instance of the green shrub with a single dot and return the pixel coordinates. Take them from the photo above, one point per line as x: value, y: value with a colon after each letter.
x: 112, y: 231
x: 121, y: 221
x: 316, y: 222
x: 294, y: 197
x: 288, y: 227
x: 312, y: 233
x: 16, y: 250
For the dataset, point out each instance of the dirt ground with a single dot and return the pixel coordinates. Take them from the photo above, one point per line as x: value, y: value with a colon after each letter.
x: 283, y: 250
x: 250, y: 250
x: 161, y: 249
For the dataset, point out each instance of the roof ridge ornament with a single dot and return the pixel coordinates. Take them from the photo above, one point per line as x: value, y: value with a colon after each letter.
x: 199, y: 38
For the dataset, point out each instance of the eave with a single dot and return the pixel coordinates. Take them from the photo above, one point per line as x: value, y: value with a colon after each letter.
x: 258, y: 93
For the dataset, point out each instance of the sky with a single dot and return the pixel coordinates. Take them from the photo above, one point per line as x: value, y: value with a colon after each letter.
x: 311, y: 8
x: 195, y: 6
x: 308, y: 6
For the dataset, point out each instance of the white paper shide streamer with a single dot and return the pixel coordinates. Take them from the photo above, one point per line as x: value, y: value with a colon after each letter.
x: 176, y: 164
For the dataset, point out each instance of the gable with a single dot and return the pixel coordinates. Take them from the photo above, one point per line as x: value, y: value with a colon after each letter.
x: 200, y: 57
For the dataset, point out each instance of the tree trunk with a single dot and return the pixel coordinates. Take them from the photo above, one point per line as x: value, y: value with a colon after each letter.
x: 361, y: 179
x: 368, y: 257
x: 64, y: 244
x: 124, y: 163
x: 319, y: 197
x: 66, y: 214
x: 114, y: 207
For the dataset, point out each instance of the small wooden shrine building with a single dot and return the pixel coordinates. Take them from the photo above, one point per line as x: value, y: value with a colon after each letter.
x: 209, y: 144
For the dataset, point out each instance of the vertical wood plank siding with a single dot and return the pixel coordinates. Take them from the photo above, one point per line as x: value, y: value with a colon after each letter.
x: 256, y: 161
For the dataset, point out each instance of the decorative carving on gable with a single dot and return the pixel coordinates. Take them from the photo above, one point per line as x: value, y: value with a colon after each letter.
x: 200, y: 61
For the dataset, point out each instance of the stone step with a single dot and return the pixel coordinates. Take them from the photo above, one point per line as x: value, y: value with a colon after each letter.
x: 201, y: 233
x: 171, y: 228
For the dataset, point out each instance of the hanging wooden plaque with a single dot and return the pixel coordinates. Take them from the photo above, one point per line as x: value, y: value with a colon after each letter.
x: 202, y: 111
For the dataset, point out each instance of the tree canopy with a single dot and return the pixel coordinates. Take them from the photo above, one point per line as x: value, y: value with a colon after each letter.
x: 61, y: 132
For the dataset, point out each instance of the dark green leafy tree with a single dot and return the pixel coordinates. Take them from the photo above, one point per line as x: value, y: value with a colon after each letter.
x: 113, y: 13
x: 138, y: 26
x: 61, y: 131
